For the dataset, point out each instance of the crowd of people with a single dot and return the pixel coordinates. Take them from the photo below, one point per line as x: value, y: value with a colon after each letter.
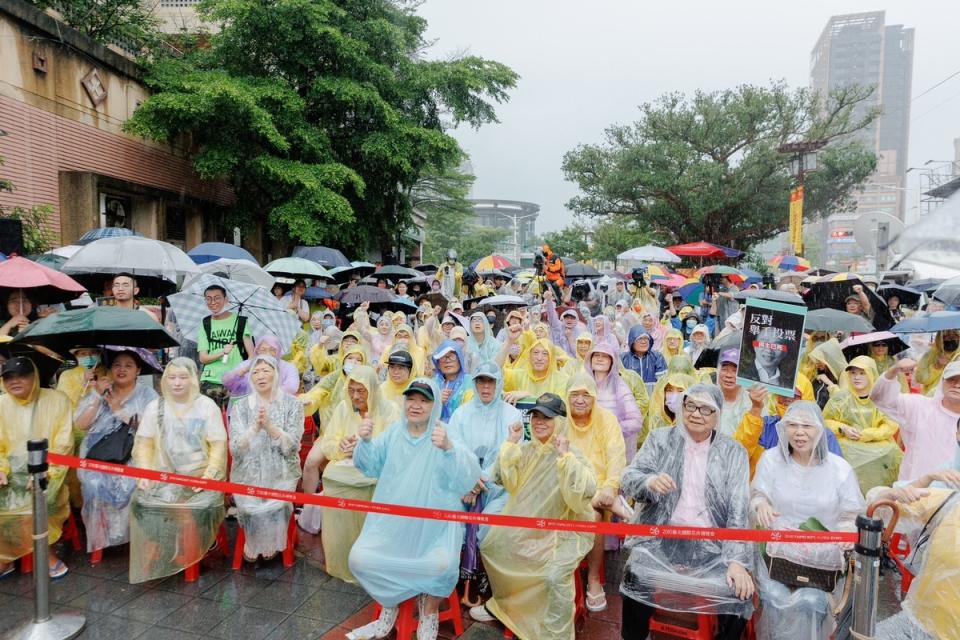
x: 596, y: 410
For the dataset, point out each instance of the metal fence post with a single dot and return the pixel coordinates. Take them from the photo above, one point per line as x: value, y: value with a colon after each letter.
x: 44, y: 626
x: 866, y: 578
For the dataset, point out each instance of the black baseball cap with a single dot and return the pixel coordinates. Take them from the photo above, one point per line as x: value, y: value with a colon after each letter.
x: 421, y: 387
x: 550, y: 405
x: 19, y: 366
x: 402, y: 358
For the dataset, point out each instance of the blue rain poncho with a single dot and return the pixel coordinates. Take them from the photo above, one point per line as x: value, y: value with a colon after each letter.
x: 485, y: 351
x: 106, y: 497
x: 396, y: 558
x: 482, y: 428
x: 664, y: 573
x: 459, y: 387
x: 262, y: 461
x: 647, y: 365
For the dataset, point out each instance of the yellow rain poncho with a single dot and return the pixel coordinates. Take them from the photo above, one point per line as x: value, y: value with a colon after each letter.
x: 521, y: 376
x: 927, y: 372
x: 875, y: 457
x: 826, y: 354
x: 531, y: 570
x: 600, y: 439
x: 172, y: 526
x: 669, y: 353
x: 325, y: 395
x: 933, y: 596
x: 324, y: 363
x: 657, y: 416
x: 403, y: 338
x: 341, y: 479
x: 637, y: 387
x: 44, y: 414
x: 585, y: 338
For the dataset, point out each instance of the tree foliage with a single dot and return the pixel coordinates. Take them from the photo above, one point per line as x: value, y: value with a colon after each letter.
x: 569, y: 242
x: 706, y: 167
x: 129, y: 23
x: 321, y: 115
x: 612, y: 235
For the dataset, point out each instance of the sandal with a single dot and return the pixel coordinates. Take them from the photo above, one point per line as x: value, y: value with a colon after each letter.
x: 58, y: 570
x: 596, y: 602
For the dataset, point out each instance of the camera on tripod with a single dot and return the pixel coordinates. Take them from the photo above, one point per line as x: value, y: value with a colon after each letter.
x: 580, y: 291
x: 639, y: 276
x: 769, y: 281
x: 539, y: 261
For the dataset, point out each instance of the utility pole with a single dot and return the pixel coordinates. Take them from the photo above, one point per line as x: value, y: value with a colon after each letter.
x: 804, y: 161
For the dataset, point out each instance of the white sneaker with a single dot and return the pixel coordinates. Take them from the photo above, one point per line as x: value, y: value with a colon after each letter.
x: 380, y: 628
x: 428, y: 627
x: 480, y: 614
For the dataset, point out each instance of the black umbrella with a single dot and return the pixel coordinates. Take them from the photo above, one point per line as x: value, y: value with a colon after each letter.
x: 395, y: 272
x: 365, y: 293
x: 403, y: 305
x: 495, y: 273
x: 770, y: 294
x: 579, y: 271
x: 819, y: 272
x: 832, y: 291
x: 908, y: 296
x: 428, y: 269
x: 860, y: 345
x: 833, y: 320
x: 710, y: 356
x: 47, y: 363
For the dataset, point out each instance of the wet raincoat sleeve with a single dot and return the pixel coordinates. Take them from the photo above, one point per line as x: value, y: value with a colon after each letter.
x: 508, y: 466
x: 369, y: 455
x: 642, y: 469
x: 578, y: 483
x: 320, y: 360
x: 748, y: 434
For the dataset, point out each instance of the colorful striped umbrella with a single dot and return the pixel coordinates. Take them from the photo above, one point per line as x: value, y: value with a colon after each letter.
x: 719, y: 269
x: 491, y: 262
x: 691, y: 291
x: 790, y: 263
x: 675, y: 280
x: 656, y: 272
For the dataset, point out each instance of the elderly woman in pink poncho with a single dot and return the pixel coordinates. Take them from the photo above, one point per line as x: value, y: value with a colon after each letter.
x: 613, y: 393
x: 237, y: 381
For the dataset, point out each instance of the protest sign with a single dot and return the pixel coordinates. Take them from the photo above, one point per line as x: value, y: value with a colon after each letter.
x: 771, y: 345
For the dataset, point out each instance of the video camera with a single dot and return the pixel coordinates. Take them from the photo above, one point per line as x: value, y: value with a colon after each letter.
x: 470, y: 278
x: 580, y: 291
x: 539, y: 261
x: 639, y: 276
x: 769, y: 281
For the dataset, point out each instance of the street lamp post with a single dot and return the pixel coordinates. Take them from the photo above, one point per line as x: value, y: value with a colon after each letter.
x: 515, y: 220
x: 803, y: 161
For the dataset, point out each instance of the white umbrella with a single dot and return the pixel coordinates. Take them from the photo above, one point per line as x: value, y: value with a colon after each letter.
x: 297, y: 268
x: 648, y: 253
x: 67, y: 251
x: 238, y: 270
x: 265, y: 315
x: 141, y: 257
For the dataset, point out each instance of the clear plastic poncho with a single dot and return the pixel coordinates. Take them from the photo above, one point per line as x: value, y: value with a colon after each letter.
x: 45, y: 413
x: 928, y: 373
x: 106, y: 496
x: 396, y: 558
x: 531, y: 570
x: 688, y: 575
x: 341, y: 478
x: 485, y: 350
x: 876, y: 456
x: 172, y: 526
x: 262, y: 461
x: 482, y: 428
x: 827, y: 490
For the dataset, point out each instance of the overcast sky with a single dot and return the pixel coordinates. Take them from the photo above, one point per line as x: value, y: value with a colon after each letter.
x: 587, y: 64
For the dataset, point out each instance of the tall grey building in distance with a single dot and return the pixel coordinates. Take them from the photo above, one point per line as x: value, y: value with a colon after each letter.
x: 860, y: 48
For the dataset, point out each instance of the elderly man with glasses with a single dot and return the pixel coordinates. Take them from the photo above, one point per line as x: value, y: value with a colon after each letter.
x: 689, y: 476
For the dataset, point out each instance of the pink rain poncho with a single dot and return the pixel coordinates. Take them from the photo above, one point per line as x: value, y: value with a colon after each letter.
x: 615, y: 395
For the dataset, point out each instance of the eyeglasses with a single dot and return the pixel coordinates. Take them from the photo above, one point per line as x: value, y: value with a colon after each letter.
x: 692, y: 407
x: 214, y: 300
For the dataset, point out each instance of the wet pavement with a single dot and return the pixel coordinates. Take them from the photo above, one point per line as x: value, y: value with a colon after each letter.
x: 257, y: 602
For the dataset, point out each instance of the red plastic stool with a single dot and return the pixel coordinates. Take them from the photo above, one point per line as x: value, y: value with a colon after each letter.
x: 898, y: 551
x: 406, y: 625
x: 70, y: 533
x: 288, y: 555
x: 705, y: 630
x: 192, y: 573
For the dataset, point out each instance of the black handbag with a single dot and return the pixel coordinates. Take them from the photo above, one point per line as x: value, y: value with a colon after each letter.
x: 116, y: 446
x: 792, y: 574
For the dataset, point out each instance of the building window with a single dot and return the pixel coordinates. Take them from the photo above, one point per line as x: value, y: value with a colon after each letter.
x: 176, y: 224
x: 116, y: 211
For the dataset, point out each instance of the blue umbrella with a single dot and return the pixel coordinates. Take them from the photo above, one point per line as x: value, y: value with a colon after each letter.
x: 105, y: 232
x: 936, y: 321
x: 210, y: 251
x: 316, y: 293
x: 751, y: 277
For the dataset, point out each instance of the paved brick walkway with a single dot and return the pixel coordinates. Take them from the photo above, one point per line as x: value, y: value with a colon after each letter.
x: 258, y: 602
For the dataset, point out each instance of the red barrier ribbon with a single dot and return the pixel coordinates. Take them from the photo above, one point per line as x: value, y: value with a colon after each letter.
x: 549, y: 524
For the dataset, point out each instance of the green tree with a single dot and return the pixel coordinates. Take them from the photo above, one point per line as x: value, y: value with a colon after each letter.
x: 707, y: 167
x: 478, y: 242
x: 321, y: 115
x: 129, y: 23
x: 569, y: 242
x: 612, y: 235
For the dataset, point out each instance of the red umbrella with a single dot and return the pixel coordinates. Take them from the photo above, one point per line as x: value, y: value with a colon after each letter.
x: 42, y: 285
x: 697, y: 250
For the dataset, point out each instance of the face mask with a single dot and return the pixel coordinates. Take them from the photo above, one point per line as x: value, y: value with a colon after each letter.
x: 492, y: 320
x: 88, y: 362
x: 327, y: 322
x: 672, y: 400
x: 691, y: 325
x: 348, y: 367
x: 951, y: 345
